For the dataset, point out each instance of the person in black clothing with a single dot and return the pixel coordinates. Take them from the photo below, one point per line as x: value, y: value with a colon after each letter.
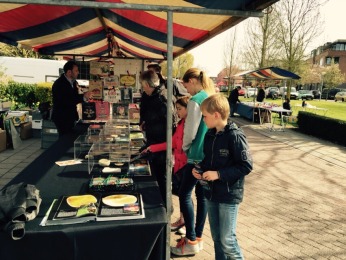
x: 261, y: 94
x: 233, y: 99
x: 66, y: 98
x: 153, y: 119
x: 286, y: 105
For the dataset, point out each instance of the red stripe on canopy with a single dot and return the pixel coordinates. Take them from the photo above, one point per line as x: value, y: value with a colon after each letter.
x: 18, y: 18
x: 160, y: 25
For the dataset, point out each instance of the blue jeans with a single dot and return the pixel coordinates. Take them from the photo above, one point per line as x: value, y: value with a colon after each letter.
x: 186, y: 206
x: 223, y: 221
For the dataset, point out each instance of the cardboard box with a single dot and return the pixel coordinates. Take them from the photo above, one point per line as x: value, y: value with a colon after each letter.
x: 18, y: 117
x: 5, y: 105
x: 25, y: 131
x: 2, y: 140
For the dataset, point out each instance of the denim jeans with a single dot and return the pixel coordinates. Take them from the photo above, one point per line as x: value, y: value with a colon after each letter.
x: 233, y: 107
x: 189, y: 182
x: 223, y: 222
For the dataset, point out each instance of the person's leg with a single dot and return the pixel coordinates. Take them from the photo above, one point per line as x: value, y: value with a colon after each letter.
x: 186, y: 206
x: 214, y: 222
x: 158, y: 170
x: 233, y: 107
x: 227, y: 225
x: 201, y: 213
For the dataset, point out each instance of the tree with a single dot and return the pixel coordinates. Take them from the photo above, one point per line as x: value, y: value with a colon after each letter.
x: 298, y: 23
x: 261, y: 49
x: 333, y: 76
x: 12, y: 51
x: 230, y: 56
x: 180, y: 65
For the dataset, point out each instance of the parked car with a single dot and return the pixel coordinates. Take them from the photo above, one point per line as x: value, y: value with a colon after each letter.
x: 305, y: 94
x: 294, y: 93
x: 329, y: 93
x: 340, y: 96
x: 242, y: 91
x: 272, y: 90
x: 316, y: 93
x: 250, y: 92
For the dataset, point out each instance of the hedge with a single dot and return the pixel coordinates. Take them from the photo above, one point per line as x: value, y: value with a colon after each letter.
x: 26, y: 95
x: 322, y: 127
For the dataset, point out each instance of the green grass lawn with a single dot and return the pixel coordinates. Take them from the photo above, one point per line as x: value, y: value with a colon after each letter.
x: 336, y: 110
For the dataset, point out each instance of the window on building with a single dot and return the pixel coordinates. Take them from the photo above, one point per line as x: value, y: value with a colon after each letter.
x: 328, y: 60
x: 336, y: 60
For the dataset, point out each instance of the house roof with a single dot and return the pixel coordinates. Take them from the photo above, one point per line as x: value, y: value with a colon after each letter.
x: 129, y: 28
x: 274, y: 73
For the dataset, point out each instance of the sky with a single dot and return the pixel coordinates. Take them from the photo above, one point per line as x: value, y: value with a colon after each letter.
x: 210, y: 55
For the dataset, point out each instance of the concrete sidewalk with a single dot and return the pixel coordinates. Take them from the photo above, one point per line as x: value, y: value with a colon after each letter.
x: 295, y: 198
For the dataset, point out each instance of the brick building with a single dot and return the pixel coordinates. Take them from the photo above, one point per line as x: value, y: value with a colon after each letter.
x: 325, y: 54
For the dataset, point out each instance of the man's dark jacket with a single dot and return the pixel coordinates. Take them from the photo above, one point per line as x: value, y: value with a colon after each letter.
x: 228, y: 153
x: 65, y: 99
x: 234, y: 96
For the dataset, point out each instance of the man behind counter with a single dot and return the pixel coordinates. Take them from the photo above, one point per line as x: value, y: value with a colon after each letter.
x: 66, y: 98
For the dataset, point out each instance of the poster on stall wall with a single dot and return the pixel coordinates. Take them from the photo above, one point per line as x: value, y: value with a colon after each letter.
x: 126, y: 94
x: 99, y: 68
x: 111, y: 92
x: 102, y: 110
x: 128, y: 80
x: 95, y: 87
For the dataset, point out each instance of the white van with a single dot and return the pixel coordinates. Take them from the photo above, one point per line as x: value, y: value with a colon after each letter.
x: 30, y: 70
x: 293, y: 95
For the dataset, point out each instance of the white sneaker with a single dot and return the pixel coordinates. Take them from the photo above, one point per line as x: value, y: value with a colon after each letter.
x: 200, y: 243
x: 182, y: 231
x: 185, y: 247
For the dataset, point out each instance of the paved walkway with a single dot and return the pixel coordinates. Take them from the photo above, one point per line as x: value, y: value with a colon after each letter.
x: 295, y: 198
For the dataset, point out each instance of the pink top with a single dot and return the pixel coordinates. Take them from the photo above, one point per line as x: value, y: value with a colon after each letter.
x: 180, y: 158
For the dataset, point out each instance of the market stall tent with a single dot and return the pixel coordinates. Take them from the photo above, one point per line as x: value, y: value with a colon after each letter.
x: 269, y: 73
x: 130, y: 28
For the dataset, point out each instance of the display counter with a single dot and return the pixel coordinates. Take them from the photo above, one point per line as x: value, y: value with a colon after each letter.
x: 120, y: 239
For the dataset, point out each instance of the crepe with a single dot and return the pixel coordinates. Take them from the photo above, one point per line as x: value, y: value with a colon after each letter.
x: 119, y: 200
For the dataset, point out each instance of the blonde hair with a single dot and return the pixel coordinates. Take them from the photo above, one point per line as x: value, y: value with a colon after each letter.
x: 216, y: 103
x: 201, y: 77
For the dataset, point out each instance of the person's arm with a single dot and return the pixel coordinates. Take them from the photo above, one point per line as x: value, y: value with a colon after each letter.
x: 192, y: 121
x: 242, y: 158
x: 157, y: 147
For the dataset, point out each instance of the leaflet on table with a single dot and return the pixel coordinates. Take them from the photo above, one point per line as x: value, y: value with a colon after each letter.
x: 98, y: 207
x: 68, y: 162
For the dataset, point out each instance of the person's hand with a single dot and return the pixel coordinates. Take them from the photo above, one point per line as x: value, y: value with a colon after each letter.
x: 88, y: 95
x: 210, y: 175
x: 146, y: 150
x: 196, y: 174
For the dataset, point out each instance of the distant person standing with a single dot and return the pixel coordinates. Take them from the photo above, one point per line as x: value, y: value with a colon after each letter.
x: 261, y: 94
x: 66, y: 98
x: 233, y: 99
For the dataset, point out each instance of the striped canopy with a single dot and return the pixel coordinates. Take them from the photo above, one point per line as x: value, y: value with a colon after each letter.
x: 268, y: 73
x: 129, y: 28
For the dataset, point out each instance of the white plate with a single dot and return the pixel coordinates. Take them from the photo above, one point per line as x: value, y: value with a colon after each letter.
x: 119, y: 200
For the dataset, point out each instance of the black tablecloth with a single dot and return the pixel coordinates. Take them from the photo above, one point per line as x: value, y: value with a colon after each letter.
x: 123, y: 239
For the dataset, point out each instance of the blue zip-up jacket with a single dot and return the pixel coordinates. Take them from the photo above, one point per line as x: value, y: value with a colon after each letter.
x: 228, y: 153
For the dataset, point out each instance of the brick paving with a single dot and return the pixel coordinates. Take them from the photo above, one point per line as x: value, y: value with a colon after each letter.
x: 295, y: 198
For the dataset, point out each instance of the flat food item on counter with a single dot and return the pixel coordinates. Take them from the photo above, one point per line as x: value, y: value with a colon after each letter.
x: 119, y: 200
x: 104, y: 162
x: 111, y: 170
x: 80, y: 200
x: 118, y: 164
